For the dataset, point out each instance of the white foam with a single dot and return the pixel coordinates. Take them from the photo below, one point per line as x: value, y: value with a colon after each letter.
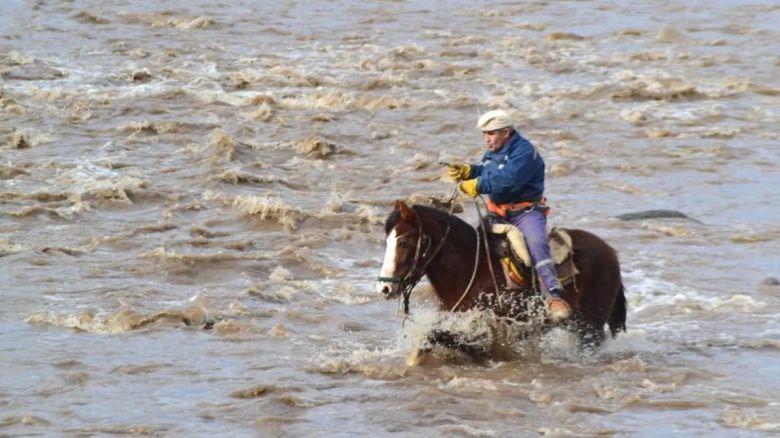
x: 280, y: 275
x: 647, y: 293
x: 91, y: 179
x: 345, y: 292
x: 469, y: 383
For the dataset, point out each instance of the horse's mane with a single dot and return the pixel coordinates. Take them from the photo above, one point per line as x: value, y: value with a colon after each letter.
x: 422, y: 210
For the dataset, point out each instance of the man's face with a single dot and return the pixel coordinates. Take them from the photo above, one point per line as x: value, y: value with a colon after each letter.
x: 496, y: 139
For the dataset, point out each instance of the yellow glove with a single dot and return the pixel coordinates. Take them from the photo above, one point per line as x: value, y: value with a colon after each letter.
x: 469, y: 187
x: 458, y: 172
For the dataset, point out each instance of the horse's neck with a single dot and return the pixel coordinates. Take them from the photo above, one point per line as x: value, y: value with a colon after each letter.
x: 452, y: 267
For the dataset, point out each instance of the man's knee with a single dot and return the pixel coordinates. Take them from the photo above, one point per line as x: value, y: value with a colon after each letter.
x: 535, y: 241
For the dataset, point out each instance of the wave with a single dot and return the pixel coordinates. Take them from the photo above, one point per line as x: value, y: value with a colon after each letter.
x: 342, y: 101
x: 7, y: 247
x: 10, y: 106
x: 88, y: 18
x: 23, y: 139
x: 165, y: 20
x: 263, y: 207
x: 68, y: 212
x: 122, y: 320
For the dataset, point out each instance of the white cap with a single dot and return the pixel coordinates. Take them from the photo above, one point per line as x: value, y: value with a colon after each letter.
x: 492, y: 120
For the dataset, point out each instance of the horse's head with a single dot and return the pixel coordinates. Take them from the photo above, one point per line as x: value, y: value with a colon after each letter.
x: 402, y: 253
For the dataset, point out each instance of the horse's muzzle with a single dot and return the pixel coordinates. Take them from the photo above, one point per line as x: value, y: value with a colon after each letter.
x: 388, y: 290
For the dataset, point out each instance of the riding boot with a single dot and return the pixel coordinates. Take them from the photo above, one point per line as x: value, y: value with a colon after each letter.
x: 557, y: 308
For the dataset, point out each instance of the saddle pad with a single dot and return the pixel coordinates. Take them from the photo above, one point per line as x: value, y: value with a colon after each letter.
x: 560, y: 245
x: 559, y: 239
x: 516, y: 241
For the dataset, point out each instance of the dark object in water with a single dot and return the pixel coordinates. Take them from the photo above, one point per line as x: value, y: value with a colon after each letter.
x: 654, y: 214
x: 771, y: 281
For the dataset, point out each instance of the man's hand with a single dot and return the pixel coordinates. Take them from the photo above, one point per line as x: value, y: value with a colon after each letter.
x: 469, y: 187
x: 458, y: 172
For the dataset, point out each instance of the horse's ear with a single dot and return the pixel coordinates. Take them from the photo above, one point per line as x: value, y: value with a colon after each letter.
x: 407, y: 214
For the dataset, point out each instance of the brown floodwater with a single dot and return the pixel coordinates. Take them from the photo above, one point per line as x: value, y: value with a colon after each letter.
x: 164, y: 164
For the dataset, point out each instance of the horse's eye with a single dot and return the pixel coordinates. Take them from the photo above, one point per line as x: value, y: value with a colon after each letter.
x: 404, y: 244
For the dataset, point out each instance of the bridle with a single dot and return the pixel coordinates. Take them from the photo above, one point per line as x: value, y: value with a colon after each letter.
x: 416, y: 273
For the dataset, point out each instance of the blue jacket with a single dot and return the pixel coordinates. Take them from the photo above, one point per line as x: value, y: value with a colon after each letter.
x: 513, y: 174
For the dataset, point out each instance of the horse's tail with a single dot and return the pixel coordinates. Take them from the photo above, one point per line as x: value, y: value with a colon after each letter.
x: 617, y: 321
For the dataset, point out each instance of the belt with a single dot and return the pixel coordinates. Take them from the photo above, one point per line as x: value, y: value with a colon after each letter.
x: 516, y: 208
x: 516, y: 211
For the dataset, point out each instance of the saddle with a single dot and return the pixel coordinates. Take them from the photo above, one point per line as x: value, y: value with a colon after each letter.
x: 509, y: 245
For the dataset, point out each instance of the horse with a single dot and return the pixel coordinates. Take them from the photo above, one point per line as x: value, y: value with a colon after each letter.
x: 424, y: 241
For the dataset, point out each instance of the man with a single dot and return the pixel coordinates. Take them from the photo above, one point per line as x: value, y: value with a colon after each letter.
x: 511, y: 173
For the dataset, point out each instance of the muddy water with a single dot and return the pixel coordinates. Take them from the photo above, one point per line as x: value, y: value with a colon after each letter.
x: 163, y: 164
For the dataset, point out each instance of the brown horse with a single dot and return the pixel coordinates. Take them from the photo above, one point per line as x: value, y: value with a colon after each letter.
x: 451, y: 253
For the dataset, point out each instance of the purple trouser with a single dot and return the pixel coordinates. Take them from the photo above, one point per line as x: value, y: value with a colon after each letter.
x: 533, y: 224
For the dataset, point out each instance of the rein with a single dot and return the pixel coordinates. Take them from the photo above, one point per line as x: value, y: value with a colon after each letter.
x: 473, y: 276
x: 487, y: 249
x: 476, y: 258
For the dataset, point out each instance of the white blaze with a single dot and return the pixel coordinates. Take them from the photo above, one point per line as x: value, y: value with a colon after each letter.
x: 388, y: 265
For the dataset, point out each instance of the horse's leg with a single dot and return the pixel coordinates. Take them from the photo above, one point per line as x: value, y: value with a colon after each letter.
x: 600, y: 308
x: 448, y: 339
x: 589, y: 317
x: 423, y: 357
x: 590, y: 335
x: 589, y: 324
x: 441, y: 347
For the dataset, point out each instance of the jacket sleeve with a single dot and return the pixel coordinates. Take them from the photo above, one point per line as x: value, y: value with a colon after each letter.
x: 476, y: 170
x: 517, y: 172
